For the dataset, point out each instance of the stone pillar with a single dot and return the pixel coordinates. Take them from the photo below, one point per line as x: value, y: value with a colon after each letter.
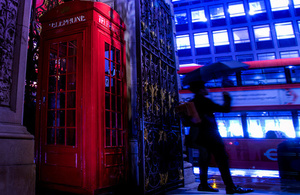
x: 17, y: 168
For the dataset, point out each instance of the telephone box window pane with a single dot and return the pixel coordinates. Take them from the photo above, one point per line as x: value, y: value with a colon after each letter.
x: 118, y: 56
x: 51, y: 136
x: 71, y: 85
x: 113, y: 119
x: 71, y: 100
x: 51, y: 101
x: 107, y: 119
x: 216, y: 12
x: 71, y: 118
x: 113, y: 85
x: 61, y: 83
x: 119, y: 104
x: 113, y: 69
x: 119, y: 120
x: 62, y: 66
x: 119, y: 85
x: 113, y: 102
x: 107, y: 137
x: 52, y: 84
x: 53, y: 50
x: 63, y: 49
x: 107, y: 67
x: 113, y: 138
x: 107, y: 50
x: 107, y: 84
x: 107, y: 101
x: 52, y: 69
x: 71, y: 64
x: 112, y: 54
x: 236, y: 9
x: 118, y: 71
x: 72, y: 48
x: 120, y: 135
x: 61, y: 100
x: 71, y: 137
x: 284, y: 30
x: 51, y: 119
x: 60, y: 118
x: 60, y: 136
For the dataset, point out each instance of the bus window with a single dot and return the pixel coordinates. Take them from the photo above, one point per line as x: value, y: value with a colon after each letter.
x: 230, y: 124
x: 263, y: 76
x: 295, y: 73
x: 263, y: 124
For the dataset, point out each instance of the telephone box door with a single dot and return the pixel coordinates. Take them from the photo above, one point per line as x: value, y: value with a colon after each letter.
x: 60, y: 121
x: 114, y: 133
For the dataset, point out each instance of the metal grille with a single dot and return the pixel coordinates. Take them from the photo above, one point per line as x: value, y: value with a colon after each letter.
x: 160, y: 132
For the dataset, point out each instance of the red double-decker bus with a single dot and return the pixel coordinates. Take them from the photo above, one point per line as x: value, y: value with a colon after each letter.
x: 265, y: 104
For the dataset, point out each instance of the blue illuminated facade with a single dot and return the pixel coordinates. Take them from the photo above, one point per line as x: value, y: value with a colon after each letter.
x: 247, y: 30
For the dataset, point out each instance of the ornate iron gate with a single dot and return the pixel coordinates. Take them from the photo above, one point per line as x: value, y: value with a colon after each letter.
x: 160, y: 133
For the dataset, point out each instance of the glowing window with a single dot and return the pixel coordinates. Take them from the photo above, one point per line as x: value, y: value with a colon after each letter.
x: 220, y: 38
x: 183, y: 42
x: 257, y: 7
x: 266, y: 56
x: 278, y: 5
x: 236, y: 9
x: 296, y: 3
x: 262, y: 33
x: 230, y: 124
x: 241, y: 35
x: 201, y: 40
x: 289, y: 54
x: 284, y: 30
x: 216, y: 12
x: 180, y: 18
x: 198, y: 15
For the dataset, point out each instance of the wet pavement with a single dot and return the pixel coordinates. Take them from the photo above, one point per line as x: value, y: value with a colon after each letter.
x: 262, y: 181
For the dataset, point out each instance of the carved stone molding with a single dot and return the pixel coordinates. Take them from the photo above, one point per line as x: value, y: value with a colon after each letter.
x: 8, y: 20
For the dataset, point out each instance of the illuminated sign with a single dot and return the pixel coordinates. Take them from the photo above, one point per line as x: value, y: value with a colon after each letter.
x: 68, y: 21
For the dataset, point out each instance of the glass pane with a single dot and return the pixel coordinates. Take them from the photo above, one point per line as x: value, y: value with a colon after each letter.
x: 112, y: 54
x: 113, y: 85
x: 119, y: 104
x: 60, y: 120
x: 230, y: 127
x: 71, y: 64
x: 51, y: 101
x: 107, y: 67
x: 107, y: 119
x: 107, y: 50
x: 216, y: 12
x: 277, y: 5
x: 284, y: 30
x: 53, y: 50
x: 118, y: 71
x: 71, y: 118
x: 71, y: 102
x: 107, y: 137
x: 61, y: 86
x: 113, y: 120
x: 71, y: 83
x: 241, y: 35
x: 71, y: 137
x: 50, y: 136
x: 62, y: 66
x: 262, y: 33
x: 183, y: 42
x: 201, y: 40
x: 120, y: 138
x: 52, y: 84
x: 63, y: 49
x: 52, y: 69
x: 198, y: 15
x: 107, y: 101
x: 113, y: 138
x: 72, y: 48
x: 180, y: 18
x: 236, y: 9
x: 51, y: 119
x: 113, y: 102
x: 61, y: 100
x: 220, y: 37
x: 60, y: 136
x: 119, y: 120
x: 118, y: 56
x: 113, y: 69
x: 257, y: 7
x: 107, y: 88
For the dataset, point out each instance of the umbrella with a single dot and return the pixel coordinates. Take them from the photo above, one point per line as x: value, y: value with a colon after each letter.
x: 214, y: 71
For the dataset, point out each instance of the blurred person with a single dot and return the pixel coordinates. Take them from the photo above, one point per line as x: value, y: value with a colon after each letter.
x: 210, y: 141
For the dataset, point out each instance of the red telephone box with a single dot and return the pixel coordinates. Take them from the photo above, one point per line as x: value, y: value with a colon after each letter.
x: 81, y: 111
